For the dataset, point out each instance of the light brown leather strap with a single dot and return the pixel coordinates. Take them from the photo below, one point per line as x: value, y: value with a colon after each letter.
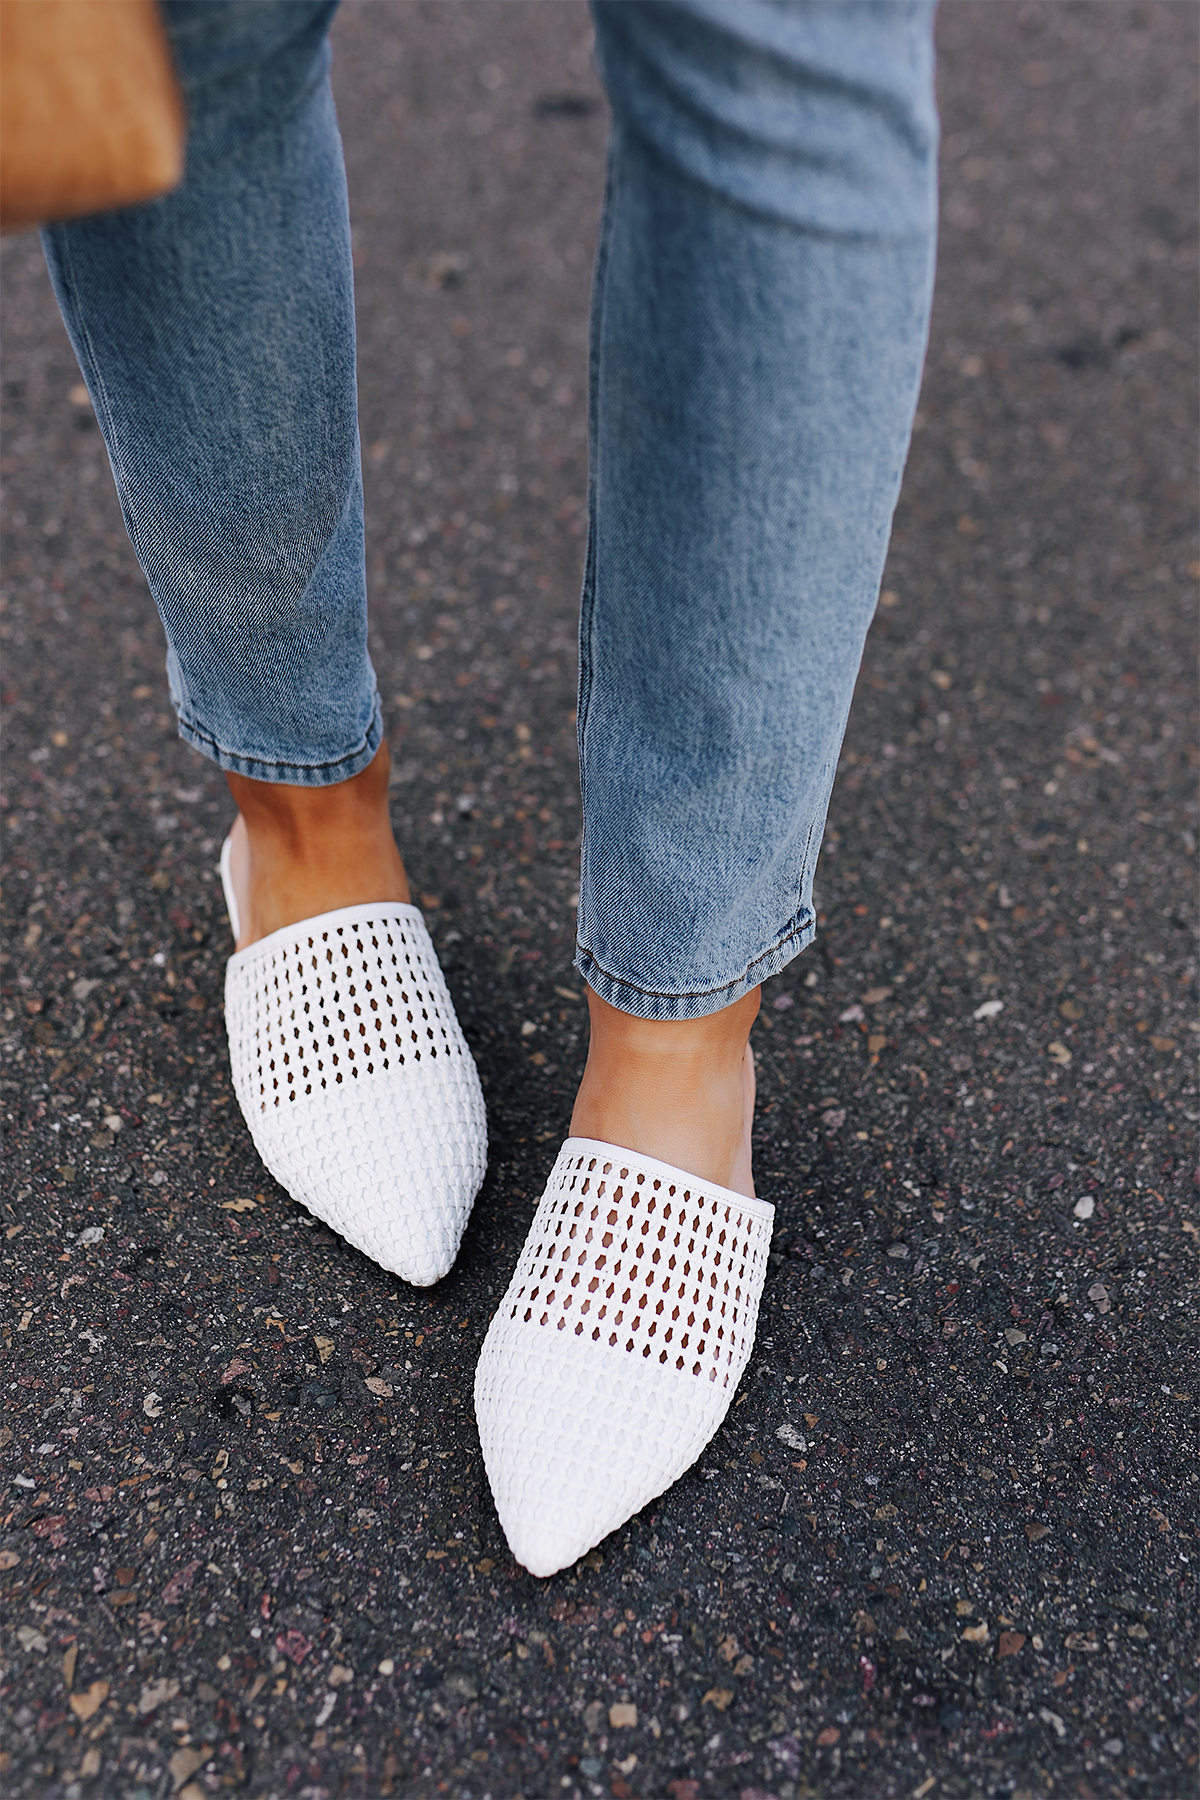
x: 91, y: 116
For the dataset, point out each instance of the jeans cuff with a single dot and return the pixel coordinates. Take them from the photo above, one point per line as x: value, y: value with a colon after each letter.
x: 292, y: 774
x: 648, y: 1003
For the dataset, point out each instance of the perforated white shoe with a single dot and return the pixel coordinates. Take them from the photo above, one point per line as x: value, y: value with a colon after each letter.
x: 618, y: 1348
x: 355, y: 1079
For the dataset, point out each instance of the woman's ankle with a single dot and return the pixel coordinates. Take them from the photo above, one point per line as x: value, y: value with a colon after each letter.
x: 678, y: 1090
x: 299, y: 852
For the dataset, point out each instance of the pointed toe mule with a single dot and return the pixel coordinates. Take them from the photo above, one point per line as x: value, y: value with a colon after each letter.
x: 356, y: 1082
x: 618, y: 1348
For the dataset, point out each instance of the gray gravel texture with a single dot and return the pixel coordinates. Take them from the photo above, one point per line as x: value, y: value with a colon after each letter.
x: 944, y: 1544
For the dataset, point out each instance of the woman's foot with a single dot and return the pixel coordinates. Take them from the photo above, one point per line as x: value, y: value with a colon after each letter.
x: 679, y: 1090
x: 297, y: 852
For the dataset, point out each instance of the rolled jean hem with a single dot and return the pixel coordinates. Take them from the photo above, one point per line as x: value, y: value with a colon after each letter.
x: 290, y: 774
x: 647, y: 1003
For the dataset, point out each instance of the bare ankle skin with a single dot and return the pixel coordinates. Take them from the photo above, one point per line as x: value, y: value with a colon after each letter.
x: 300, y: 851
x: 680, y: 1090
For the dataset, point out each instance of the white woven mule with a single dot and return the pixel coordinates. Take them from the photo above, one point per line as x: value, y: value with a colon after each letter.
x: 355, y: 1079
x: 618, y: 1348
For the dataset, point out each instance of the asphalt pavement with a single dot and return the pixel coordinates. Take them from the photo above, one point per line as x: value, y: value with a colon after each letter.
x: 945, y: 1543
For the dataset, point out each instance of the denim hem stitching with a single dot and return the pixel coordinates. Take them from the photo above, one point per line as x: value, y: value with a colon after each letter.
x: 805, y: 929
x: 356, y: 760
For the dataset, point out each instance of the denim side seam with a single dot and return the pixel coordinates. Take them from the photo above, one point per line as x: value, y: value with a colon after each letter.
x: 116, y: 462
x: 293, y: 774
x: 587, y: 597
x: 646, y: 1003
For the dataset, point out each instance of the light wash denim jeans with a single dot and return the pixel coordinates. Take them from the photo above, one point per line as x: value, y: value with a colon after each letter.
x: 215, y: 331
x: 759, y: 321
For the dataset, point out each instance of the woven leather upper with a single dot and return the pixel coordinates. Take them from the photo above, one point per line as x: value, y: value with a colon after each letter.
x: 617, y: 1350
x: 356, y: 1082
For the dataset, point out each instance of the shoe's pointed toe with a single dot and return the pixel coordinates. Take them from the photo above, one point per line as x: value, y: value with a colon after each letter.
x: 617, y: 1350
x: 568, y: 1458
x: 357, y: 1085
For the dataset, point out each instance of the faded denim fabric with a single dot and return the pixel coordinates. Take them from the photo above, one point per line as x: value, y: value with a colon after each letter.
x: 759, y: 320
x: 215, y: 331
x: 759, y: 323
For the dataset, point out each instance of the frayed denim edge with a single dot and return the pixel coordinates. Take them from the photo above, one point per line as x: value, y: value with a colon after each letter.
x: 290, y: 774
x: 644, y: 1004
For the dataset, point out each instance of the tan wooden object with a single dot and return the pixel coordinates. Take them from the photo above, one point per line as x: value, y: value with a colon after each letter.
x: 91, y: 116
